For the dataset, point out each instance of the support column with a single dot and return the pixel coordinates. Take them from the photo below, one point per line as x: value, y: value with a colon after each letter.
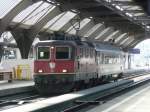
x: 23, y: 41
x: 129, y: 61
x: 1, y: 52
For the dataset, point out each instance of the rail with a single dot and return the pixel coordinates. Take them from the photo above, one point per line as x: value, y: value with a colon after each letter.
x: 77, y: 100
x: 98, y: 100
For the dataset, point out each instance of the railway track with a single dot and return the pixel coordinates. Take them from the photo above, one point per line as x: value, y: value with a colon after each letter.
x: 19, y: 99
x: 99, y: 98
x: 134, y: 74
x: 16, y: 102
x: 105, y: 96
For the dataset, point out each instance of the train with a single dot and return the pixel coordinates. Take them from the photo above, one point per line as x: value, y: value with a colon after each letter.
x: 61, y: 66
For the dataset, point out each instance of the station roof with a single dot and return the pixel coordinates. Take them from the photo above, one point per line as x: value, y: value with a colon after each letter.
x: 126, y: 22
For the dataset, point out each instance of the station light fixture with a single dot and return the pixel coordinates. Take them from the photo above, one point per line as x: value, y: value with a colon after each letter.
x: 58, y: 4
x: 74, y: 11
x: 5, y: 47
x: 103, y: 22
x: 128, y: 14
x: 119, y: 8
x: 108, y: 1
x: 148, y: 26
x: 91, y: 17
x: 113, y: 4
x: 143, y: 23
x: 51, y: 1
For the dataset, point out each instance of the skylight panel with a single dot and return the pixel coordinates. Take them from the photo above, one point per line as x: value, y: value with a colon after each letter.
x: 6, y: 6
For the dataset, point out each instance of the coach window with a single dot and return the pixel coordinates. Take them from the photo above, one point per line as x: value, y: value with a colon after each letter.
x: 43, y: 53
x: 84, y: 52
x: 81, y: 52
x: 91, y: 53
x: 63, y: 53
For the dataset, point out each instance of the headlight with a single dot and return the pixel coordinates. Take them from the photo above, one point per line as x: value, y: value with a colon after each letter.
x: 64, y: 70
x: 52, y: 47
x: 115, y: 75
x: 40, y: 70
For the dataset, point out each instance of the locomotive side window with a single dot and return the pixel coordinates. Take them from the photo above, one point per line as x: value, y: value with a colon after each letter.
x: 43, y: 53
x: 63, y: 53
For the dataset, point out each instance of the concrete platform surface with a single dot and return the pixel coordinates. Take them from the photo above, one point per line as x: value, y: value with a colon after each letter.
x: 15, y: 87
x: 137, y: 100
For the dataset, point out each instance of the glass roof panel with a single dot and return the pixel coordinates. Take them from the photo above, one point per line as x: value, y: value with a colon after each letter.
x: 132, y: 7
x: 33, y: 13
x: 125, y: 0
x: 53, y: 21
x: 6, y: 6
x: 72, y: 30
x: 125, y: 40
x: 127, y: 6
x: 93, y: 29
x: 121, y: 36
x: 62, y: 21
x: 1, y: 40
x: 139, y: 14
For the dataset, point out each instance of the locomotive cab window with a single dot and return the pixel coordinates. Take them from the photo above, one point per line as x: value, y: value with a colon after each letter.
x: 43, y: 53
x: 63, y: 53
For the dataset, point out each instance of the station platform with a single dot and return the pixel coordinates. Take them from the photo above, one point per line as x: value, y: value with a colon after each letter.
x: 52, y: 103
x: 15, y: 86
x: 137, y: 100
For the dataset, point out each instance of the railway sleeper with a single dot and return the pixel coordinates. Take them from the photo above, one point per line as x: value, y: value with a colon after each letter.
x: 90, y: 102
x: 13, y: 102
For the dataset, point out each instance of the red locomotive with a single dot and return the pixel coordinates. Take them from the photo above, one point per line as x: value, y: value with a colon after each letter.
x: 61, y: 66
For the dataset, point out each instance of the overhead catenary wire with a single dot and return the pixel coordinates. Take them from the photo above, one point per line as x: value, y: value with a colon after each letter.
x: 63, y: 14
x: 24, y: 19
x: 48, y: 7
x: 46, y: 12
x: 76, y: 25
x: 27, y: 18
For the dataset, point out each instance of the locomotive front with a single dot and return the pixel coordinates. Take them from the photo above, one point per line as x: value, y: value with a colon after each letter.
x: 54, y: 67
